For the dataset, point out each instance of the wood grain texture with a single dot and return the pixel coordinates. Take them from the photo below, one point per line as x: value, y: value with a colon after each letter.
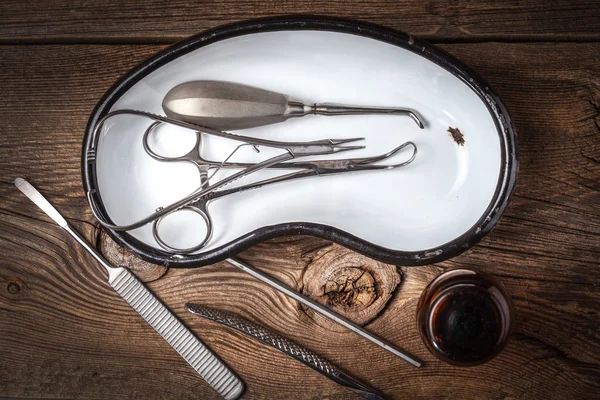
x: 65, y: 334
x: 155, y: 21
x: 350, y: 284
x: 120, y: 256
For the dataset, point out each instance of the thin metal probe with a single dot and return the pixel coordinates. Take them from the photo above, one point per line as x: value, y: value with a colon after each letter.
x: 321, y: 309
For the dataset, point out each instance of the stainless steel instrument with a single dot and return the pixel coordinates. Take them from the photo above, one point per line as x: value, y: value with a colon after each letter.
x: 346, y: 323
x: 198, y: 200
x: 286, y: 346
x: 305, y: 169
x: 230, y: 106
x: 204, y: 361
x: 291, y: 150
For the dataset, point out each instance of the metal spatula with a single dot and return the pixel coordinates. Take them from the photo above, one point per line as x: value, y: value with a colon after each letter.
x: 204, y: 361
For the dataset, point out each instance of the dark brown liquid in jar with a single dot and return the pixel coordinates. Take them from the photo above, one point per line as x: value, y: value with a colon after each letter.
x: 464, y: 317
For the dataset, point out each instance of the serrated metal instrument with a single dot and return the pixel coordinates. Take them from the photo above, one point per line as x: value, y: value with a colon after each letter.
x: 292, y: 349
x: 204, y: 361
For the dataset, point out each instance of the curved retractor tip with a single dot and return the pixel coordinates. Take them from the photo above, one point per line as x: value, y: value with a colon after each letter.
x: 417, y: 118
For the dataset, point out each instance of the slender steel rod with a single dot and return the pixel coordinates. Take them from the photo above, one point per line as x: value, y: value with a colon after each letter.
x: 321, y: 309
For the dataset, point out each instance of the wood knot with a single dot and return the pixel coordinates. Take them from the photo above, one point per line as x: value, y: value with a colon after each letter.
x: 13, y: 288
x: 118, y: 256
x: 350, y: 284
x: 351, y: 287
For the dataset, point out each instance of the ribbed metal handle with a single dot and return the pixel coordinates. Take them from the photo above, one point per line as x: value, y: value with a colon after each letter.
x: 267, y: 336
x: 204, y: 361
x: 290, y: 348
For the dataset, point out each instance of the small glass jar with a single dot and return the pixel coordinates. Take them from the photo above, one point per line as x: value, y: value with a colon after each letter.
x: 464, y: 317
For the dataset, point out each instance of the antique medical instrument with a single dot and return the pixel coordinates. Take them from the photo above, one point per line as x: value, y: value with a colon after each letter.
x: 229, y: 106
x: 289, y: 347
x: 197, y: 201
x: 204, y: 361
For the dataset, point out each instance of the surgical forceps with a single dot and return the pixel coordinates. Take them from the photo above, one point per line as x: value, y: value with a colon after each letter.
x: 306, y: 169
x: 292, y: 150
x: 198, y: 200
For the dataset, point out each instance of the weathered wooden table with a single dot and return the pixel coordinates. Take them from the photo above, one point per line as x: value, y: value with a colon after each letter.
x: 65, y: 334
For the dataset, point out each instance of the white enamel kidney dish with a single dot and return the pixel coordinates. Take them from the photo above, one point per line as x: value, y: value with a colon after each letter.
x: 442, y: 203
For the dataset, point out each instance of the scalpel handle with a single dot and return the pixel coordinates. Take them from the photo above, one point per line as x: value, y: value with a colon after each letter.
x: 204, y: 361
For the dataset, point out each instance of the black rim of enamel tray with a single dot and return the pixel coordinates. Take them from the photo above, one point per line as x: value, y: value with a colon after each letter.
x: 488, y: 220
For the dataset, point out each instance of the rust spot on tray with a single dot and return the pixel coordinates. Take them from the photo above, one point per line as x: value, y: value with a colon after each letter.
x: 457, y: 136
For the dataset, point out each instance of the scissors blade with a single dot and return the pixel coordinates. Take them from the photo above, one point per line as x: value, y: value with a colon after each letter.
x: 40, y: 201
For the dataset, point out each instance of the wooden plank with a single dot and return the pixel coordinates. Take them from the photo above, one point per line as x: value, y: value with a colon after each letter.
x: 155, y: 21
x: 65, y: 334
